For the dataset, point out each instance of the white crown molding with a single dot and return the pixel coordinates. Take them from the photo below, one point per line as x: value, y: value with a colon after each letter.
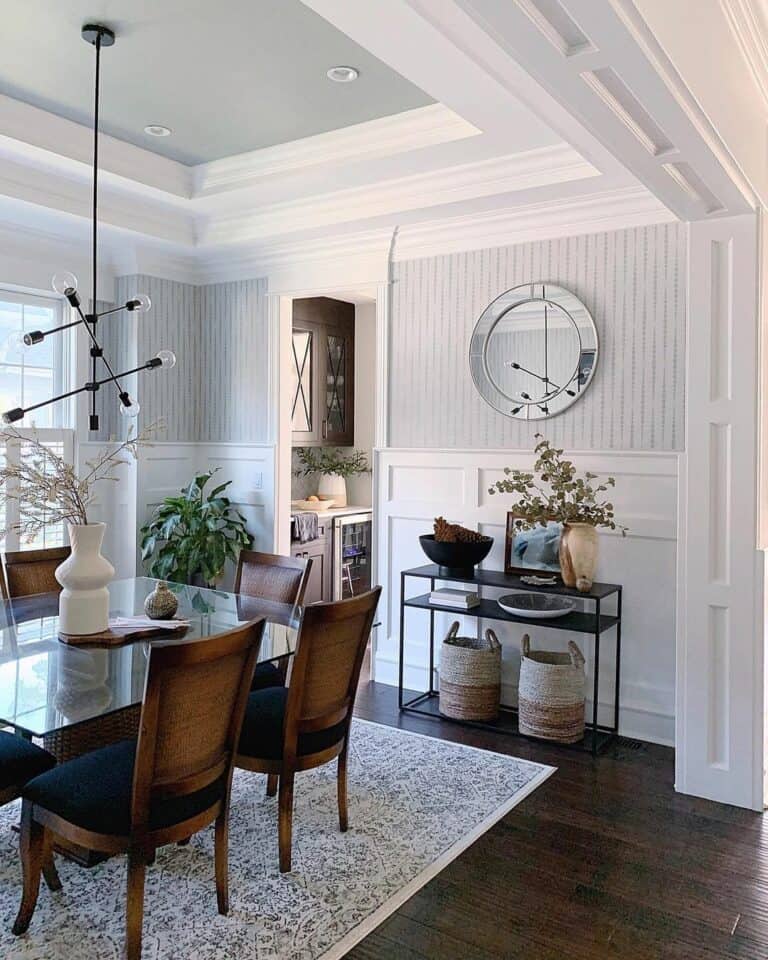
x: 750, y: 28
x: 544, y: 166
x: 611, y: 210
x: 370, y: 248
x: 384, y: 137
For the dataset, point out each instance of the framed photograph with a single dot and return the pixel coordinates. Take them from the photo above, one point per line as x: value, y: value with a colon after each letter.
x: 532, y: 551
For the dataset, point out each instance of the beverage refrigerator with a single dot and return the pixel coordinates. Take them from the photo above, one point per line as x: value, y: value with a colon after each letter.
x: 351, y: 555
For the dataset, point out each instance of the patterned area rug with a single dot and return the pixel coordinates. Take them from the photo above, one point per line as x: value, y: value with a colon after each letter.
x: 415, y: 803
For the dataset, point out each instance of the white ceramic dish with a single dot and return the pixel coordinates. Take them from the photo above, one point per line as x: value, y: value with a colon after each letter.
x: 538, y: 606
x: 314, y: 505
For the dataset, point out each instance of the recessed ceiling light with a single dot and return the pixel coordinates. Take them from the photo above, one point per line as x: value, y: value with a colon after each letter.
x: 157, y: 130
x: 343, y: 74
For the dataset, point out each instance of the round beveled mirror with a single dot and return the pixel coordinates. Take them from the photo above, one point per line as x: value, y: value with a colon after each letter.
x: 533, y: 351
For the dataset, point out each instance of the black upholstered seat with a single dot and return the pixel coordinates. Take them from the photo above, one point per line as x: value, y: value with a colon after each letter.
x: 267, y: 675
x: 94, y: 792
x: 262, y: 733
x: 20, y: 761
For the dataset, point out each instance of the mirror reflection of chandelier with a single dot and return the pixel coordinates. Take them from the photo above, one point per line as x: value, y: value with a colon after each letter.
x: 65, y: 284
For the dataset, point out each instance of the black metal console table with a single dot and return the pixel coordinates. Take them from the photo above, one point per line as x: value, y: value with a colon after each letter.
x: 597, y: 736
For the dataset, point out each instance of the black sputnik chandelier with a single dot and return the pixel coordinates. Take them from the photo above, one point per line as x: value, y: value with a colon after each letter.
x: 65, y: 284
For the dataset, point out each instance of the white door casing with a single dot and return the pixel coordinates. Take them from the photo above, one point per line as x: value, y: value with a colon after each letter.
x: 720, y: 641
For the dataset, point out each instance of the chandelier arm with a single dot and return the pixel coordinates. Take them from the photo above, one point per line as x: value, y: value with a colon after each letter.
x: 91, y: 387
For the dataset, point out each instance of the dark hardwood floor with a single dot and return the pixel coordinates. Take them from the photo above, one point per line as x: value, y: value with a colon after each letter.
x: 604, y: 860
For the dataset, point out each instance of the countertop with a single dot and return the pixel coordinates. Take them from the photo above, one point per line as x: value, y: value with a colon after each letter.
x: 337, y: 511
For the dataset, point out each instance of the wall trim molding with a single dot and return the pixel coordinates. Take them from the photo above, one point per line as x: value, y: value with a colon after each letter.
x: 744, y: 20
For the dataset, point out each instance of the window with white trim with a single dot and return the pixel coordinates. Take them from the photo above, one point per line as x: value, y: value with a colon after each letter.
x: 28, y: 377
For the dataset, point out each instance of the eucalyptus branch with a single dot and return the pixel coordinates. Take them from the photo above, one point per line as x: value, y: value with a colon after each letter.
x: 554, y: 491
x: 329, y: 460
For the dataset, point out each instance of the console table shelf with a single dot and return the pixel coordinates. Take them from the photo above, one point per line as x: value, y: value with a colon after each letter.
x: 593, y: 624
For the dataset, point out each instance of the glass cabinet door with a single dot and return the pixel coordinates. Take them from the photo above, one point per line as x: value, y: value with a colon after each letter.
x: 302, y: 375
x: 338, y: 386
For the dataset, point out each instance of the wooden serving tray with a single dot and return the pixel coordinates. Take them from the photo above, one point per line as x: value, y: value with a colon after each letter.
x: 118, y: 636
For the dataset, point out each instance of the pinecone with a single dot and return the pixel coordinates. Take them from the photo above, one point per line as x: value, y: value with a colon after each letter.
x: 453, y: 533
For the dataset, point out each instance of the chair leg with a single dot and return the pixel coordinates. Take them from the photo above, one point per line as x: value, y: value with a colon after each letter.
x: 341, y: 789
x: 272, y: 779
x: 221, y: 857
x: 285, y: 820
x: 50, y: 872
x: 134, y: 907
x: 32, y: 842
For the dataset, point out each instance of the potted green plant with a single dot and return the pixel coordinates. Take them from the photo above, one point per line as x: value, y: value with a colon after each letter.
x: 190, y: 537
x: 333, y: 467
x: 554, y: 491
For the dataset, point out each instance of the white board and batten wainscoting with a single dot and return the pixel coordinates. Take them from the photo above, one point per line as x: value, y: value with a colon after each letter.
x: 415, y: 486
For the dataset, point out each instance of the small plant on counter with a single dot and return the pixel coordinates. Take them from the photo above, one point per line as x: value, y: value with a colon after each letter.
x: 554, y: 491
x: 190, y: 537
x: 330, y: 461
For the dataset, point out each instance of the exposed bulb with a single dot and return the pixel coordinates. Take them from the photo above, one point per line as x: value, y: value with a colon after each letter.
x: 130, y: 412
x: 167, y: 358
x: 140, y: 303
x: 64, y: 283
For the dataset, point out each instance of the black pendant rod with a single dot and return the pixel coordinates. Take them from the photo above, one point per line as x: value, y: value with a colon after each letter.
x: 94, y: 424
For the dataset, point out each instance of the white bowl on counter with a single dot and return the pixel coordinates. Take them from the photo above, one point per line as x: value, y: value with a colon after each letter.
x: 314, y: 505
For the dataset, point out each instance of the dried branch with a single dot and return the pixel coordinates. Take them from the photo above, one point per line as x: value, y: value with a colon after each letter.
x: 46, y: 489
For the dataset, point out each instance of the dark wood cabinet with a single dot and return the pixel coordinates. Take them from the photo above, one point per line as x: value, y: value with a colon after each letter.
x: 323, y: 373
x: 320, y: 552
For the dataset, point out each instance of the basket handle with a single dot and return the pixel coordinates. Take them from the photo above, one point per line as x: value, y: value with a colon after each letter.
x: 577, y: 657
x: 454, y: 631
x: 493, y: 640
x: 525, y: 644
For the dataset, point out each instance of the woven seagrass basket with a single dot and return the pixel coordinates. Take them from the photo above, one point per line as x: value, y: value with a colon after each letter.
x: 551, y: 693
x: 470, y: 676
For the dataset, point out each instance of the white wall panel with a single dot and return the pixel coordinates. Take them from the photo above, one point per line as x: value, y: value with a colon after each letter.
x: 644, y: 562
x: 720, y: 645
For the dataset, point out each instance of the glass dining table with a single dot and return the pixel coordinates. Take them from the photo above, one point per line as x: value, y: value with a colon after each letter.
x: 77, y: 698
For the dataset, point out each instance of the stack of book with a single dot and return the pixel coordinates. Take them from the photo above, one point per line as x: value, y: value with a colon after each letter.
x: 460, y: 599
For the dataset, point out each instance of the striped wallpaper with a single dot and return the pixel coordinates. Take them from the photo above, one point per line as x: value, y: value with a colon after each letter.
x: 632, y: 281
x: 218, y: 388
x: 234, y: 357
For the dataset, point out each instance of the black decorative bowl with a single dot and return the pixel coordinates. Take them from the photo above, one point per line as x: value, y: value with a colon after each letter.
x: 455, y: 559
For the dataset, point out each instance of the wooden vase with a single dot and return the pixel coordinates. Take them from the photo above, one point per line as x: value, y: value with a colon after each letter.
x: 578, y: 555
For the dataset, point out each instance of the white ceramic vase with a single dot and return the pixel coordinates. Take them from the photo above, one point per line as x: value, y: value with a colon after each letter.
x: 84, y: 575
x: 333, y: 487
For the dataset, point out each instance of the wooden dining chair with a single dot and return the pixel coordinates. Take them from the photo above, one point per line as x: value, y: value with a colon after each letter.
x: 270, y: 576
x: 278, y: 579
x: 32, y: 571
x: 287, y: 730
x: 135, y: 796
